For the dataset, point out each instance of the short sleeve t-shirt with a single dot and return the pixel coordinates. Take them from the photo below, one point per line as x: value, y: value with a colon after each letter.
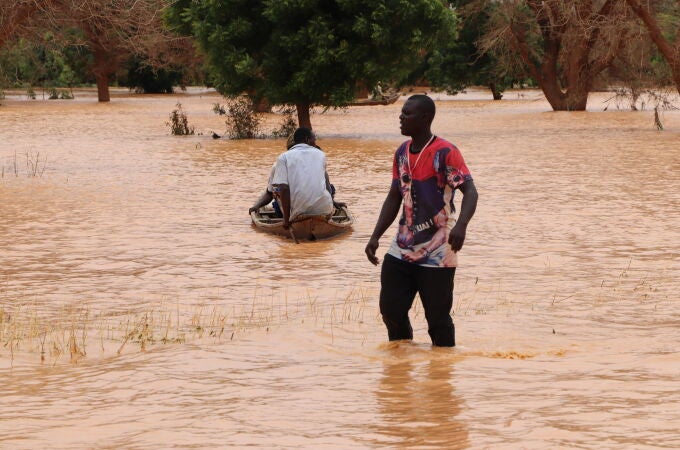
x: 427, y: 181
x: 303, y: 169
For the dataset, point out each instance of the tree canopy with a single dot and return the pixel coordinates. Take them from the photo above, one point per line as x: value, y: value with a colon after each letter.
x: 312, y: 52
x: 462, y: 63
x: 95, y: 38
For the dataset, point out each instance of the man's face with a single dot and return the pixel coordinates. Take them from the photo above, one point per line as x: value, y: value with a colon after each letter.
x: 411, y: 118
x: 312, y: 140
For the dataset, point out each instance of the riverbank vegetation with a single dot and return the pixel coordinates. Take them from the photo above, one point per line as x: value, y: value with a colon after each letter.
x: 325, y: 54
x: 72, y: 334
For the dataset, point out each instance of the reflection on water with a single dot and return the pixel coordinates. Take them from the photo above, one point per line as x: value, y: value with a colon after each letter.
x: 565, y: 301
x: 417, y: 400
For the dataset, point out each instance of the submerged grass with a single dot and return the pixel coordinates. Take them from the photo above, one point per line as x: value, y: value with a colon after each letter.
x: 28, y: 332
x: 76, y: 333
x: 35, y: 165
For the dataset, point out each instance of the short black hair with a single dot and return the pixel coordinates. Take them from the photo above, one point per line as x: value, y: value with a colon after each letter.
x: 302, y: 134
x: 425, y: 103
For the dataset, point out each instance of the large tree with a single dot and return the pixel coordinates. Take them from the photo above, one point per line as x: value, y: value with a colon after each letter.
x: 565, y: 45
x: 111, y: 31
x: 664, y: 31
x: 312, y: 52
x: 116, y: 30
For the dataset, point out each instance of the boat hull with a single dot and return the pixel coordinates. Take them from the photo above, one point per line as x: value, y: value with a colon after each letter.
x: 308, y: 228
x: 372, y: 102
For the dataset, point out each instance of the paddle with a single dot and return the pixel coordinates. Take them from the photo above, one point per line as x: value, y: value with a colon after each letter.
x: 292, y: 234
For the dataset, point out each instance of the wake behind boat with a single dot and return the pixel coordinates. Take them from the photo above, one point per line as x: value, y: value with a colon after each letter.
x: 305, y: 227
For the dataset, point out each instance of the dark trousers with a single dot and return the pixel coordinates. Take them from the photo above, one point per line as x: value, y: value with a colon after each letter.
x: 400, y: 281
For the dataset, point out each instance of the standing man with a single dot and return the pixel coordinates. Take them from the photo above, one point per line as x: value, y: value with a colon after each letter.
x: 427, y: 170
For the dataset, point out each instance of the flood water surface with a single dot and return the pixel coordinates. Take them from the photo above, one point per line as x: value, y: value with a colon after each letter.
x: 140, y: 309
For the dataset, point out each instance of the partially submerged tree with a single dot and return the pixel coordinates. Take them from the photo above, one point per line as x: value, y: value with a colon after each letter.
x: 115, y: 31
x: 313, y: 52
x: 564, y: 45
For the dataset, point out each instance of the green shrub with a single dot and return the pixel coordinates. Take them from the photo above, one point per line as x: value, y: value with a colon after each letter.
x: 145, y: 79
x: 242, y: 121
x: 288, y: 122
x: 179, y: 124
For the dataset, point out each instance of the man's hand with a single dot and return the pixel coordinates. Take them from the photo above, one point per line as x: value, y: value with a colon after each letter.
x: 457, y: 236
x: 252, y: 209
x: 416, y: 255
x: 339, y: 205
x: 371, y: 248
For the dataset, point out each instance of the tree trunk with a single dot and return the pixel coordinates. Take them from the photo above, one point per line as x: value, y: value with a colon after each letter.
x: 262, y: 105
x: 103, y: 94
x: 361, y: 91
x: 574, y: 98
x: 497, y: 95
x: 104, y: 65
x: 672, y: 55
x: 303, y: 115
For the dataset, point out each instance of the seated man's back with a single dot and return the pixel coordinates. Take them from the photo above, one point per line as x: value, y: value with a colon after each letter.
x: 303, y: 169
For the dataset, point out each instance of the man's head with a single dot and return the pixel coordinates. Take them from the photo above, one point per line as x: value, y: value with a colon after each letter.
x: 417, y: 115
x: 304, y: 136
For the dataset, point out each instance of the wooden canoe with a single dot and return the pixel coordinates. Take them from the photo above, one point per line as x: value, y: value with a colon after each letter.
x: 308, y: 228
x: 387, y: 100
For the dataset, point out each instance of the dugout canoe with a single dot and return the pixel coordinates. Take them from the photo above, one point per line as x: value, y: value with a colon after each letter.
x: 308, y: 228
x: 388, y: 100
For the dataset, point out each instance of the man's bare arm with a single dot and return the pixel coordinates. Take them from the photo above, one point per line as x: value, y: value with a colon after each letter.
x: 467, y: 210
x: 388, y: 213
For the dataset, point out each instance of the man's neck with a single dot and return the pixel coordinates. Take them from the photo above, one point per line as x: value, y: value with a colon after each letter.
x: 419, y: 141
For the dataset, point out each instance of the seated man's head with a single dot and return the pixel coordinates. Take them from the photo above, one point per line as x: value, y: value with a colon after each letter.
x: 304, y: 136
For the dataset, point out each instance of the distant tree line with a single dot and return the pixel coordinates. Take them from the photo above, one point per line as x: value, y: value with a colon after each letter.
x: 322, y: 52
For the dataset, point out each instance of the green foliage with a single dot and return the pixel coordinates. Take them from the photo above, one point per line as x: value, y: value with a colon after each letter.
x: 312, y: 51
x: 179, y: 123
x: 241, y: 119
x: 53, y: 94
x: 288, y: 122
x: 146, y: 79
x: 67, y: 77
x: 462, y: 63
x: 43, y: 63
x: 47, y: 62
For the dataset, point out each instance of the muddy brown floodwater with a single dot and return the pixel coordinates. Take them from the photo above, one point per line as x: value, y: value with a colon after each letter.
x: 140, y: 310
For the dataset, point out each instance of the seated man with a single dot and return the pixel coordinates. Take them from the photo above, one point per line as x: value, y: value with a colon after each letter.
x: 299, y: 180
x: 377, y: 93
